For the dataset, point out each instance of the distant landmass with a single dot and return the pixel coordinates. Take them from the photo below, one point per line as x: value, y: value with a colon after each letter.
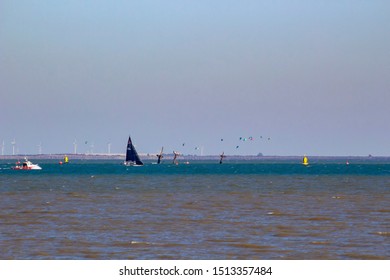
x: 168, y: 157
x: 122, y: 156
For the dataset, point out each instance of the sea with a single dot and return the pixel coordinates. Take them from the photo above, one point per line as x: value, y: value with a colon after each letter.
x: 275, y: 209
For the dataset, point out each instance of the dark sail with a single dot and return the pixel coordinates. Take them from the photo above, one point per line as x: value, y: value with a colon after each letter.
x: 132, y: 157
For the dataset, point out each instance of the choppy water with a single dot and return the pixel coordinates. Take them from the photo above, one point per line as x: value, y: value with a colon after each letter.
x: 237, y: 210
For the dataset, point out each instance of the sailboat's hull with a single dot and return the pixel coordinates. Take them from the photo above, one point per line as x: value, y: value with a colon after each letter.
x: 131, y: 163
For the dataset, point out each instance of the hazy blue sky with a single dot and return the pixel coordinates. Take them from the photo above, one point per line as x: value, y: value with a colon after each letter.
x: 314, y: 76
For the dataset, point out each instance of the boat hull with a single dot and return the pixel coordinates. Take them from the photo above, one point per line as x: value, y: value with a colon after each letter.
x: 130, y: 163
x: 32, y: 167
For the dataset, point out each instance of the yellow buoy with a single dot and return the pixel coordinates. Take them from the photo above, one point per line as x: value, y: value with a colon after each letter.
x: 305, y: 160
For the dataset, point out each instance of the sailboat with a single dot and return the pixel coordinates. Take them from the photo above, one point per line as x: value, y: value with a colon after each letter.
x: 132, y: 158
x: 305, y: 160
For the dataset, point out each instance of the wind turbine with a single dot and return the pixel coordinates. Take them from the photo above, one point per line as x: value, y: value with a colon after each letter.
x: 13, y: 143
x: 2, y: 148
x: 75, y: 146
x: 40, y: 148
x: 109, y: 148
x: 200, y: 148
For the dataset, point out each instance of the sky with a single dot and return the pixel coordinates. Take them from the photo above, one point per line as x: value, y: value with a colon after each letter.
x: 195, y: 76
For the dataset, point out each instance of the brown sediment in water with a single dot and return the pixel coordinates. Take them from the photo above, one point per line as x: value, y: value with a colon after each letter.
x: 193, y: 217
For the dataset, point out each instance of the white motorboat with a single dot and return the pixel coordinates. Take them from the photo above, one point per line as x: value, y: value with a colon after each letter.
x: 27, y: 165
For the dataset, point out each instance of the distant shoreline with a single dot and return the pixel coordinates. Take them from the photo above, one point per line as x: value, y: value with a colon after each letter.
x: 182, y: 157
